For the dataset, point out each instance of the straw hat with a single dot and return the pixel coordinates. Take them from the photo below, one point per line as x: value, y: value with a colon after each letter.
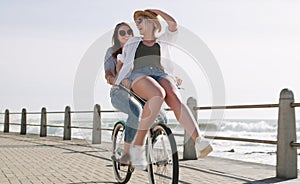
x: 149, y: 14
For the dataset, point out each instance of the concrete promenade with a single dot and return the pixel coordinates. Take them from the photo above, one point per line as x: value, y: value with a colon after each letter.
x: 34, y: 159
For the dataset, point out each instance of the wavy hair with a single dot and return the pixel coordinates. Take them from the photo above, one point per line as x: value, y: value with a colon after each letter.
x: 116, y: 45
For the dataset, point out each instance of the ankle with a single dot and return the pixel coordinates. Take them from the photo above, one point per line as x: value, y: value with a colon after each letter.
x: 137, y: 144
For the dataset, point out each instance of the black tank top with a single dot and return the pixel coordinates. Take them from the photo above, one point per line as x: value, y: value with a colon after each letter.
x: 147, y: 56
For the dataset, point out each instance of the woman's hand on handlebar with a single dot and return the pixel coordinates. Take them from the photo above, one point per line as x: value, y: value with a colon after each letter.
x: 111, y: 80
x: 126, y: 83
x: 178, y: 81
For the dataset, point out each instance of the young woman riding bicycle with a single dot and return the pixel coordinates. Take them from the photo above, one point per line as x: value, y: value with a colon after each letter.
x: 120, y: 98
x: 145, y: 70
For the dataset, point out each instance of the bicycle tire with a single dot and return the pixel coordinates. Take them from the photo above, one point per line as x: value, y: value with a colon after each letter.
x: 163, y: 161
x: 122, y: 172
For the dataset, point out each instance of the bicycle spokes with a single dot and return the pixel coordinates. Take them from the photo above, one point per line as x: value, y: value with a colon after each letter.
x: 162, y: 157
x: 122, y: 171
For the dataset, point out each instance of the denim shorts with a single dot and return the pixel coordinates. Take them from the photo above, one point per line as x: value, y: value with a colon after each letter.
x: 154, y: 72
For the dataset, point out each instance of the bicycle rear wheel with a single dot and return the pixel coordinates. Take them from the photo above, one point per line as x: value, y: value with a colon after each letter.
x: 162, y: 156
x: 122, y: 172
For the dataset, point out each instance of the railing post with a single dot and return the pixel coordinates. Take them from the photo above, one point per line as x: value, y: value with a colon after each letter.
x: 286, y: 154
x: 43, y: 128
x: 6, y: 121
x: 97, y: 125
x: 67, y: 124
x: 189, y: 152
x: 23, y: 122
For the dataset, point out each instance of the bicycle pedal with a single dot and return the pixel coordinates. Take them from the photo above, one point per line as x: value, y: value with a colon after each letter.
x: 113, y: 158
x: 124, y: 164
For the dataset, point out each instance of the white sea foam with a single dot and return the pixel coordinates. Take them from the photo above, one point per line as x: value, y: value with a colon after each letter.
x: 248, y: 126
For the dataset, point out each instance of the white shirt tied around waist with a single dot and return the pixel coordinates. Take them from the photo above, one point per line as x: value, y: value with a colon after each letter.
x: 129, y: 49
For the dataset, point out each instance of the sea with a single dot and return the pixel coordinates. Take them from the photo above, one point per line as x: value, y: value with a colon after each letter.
x: 237, y: 128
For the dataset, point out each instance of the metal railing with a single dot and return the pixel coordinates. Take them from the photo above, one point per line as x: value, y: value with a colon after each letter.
x: 43, y: 121
x: 286, y: 135
x: 286, y: 132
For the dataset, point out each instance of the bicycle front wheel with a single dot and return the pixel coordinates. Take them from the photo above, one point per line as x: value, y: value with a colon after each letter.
x: 162, y: 156
x: 122, y: 172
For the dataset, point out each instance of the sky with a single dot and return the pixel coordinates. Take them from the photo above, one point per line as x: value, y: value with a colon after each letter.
x: 42, y: 44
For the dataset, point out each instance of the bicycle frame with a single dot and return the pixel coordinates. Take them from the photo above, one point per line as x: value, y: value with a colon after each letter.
x: 157, y: 166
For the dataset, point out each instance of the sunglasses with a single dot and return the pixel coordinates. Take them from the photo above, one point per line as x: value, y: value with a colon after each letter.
x: 123, y: 32
x: 138, y: 21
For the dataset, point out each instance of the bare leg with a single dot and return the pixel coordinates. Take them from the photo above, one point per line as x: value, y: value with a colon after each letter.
x: 150, y: 90
x: 182, y: 113
x: 126, y: 148
x: 126, y: 153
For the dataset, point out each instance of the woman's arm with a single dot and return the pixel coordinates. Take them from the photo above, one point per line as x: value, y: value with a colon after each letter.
x: 128, y: 58
x: 119, y: 66
x: 109, y: 67
x: 110, y: 77
x: 172, y: 25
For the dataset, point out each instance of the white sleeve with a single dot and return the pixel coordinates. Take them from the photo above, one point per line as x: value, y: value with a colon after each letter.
x: 126, y: 68
x: 169, y: 36
x: 168, y: 39
x: 120, y: 57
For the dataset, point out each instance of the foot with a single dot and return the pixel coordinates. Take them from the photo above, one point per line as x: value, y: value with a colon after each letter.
x: 138, y: 157
x: 203, y: 147
x: 125, y: 159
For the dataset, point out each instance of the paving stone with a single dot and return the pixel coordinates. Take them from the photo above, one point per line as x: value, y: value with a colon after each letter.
x: 32, y: 159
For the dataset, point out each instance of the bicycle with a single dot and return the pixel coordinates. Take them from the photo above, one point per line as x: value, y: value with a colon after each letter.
x: 161, y: 151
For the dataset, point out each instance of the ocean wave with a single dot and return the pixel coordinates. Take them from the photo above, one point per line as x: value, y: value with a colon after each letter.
x: 248, y: 126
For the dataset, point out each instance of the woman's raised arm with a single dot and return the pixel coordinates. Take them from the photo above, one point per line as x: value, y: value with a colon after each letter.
x: 172, y: 24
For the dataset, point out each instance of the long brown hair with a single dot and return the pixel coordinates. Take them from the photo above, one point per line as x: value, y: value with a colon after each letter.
x: 117, y: 48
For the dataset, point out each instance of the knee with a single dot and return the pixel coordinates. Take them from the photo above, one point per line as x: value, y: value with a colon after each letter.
x: 133, y: 116
x: 172, y: 99
x: 132, y: 121
x: 135, y: 110
x: 159, y: 92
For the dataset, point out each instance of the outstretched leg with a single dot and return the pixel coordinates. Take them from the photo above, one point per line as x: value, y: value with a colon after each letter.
x: 185, y: 118
x: 149, y: 89
x: 182, y: 113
